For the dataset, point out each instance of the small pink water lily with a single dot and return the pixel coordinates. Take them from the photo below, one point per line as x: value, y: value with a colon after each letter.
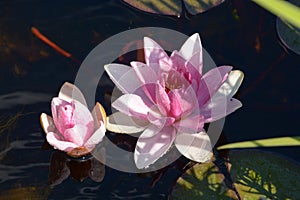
x: 73, y: 128
x: 169, y: 100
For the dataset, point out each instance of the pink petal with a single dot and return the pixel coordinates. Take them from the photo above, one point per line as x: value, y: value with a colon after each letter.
x: 196, y: 147
x: 156, y: 118
x: 175, y: 107
x: 144, y: 73
x: 211, y: 82
x: 77, y: 134
x: 155, y: 56
x: 149, y: 79
x: 62, y: 112
x: 191, y: 46
x: 132, y: 105
x: 67, y: 115
x: 221, y: 103
x: 232, y: 83
x: 190, y: 124
x: 177, y: 61
x: 136, y: 64
x: 123, y: 77
x: 84, y: 117
x: 96, y: 138
x: 150, y: 149
x: 162, y: 100
x: 154, y: 94
x: 55, y: 140
x: 68, y: 92
x: 194, y: 64
x: 184, y: 102
x: 219, y: 108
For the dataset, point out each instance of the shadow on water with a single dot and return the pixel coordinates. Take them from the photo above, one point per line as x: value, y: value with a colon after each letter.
x: 237, y: 33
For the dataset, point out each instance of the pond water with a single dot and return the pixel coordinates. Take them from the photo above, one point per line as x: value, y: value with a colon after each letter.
x: 237, y: 33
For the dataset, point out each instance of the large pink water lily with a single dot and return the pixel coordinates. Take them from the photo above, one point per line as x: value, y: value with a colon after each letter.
x: 169, y: 100
x: 73, y: 128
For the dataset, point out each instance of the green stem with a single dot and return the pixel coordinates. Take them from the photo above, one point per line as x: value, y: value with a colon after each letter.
x: 283, y: 9
x: 271, y: 142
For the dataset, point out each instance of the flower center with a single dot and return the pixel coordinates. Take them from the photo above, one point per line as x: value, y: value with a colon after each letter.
x: 175, y: 80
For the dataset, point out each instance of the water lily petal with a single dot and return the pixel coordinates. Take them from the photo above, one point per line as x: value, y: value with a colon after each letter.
x: 151, y: 88
x: 159, y: 120
x: 232, y: 83
x: 62, y: 113
x: 144, y: 73
x: 99, y: 115
x: 147, y: 93
x: 196, y: 147
x: 47, y: 123
x: 183, y: 102
x: 150, y: 149
x: 76, y: 134
x: 155, y: 56
x: 68, y: 92
x: 67, y: 114
x: 175, y: 106
x: 132, y: 105
x: 123, y: 77
x: 190, y: 124
x: 96, y: 137
x: 211, y: 82
x: 219, y: 108
x: 177, y: 61
x: 191, y: 46
x: 162, y: 100
x: 195, y: 62
x: 121, y: 123
x: 57, y: 142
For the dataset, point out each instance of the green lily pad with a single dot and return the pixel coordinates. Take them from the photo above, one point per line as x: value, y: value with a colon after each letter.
x: 289, y: 34
x: 270, y: 142
x: 173, y: 7
x: 256, y: 175
x: 199, y: 6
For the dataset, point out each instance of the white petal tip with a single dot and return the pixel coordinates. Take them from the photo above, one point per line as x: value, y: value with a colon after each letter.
x: 121, y: 123
x: 47, y: 123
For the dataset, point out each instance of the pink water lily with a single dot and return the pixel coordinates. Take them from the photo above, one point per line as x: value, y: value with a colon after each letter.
x: 73, y: 128
x: 169, y: 100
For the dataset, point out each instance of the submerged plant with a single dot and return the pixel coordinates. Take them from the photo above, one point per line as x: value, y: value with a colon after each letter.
x: 170, y: 100
x: 73, y: 128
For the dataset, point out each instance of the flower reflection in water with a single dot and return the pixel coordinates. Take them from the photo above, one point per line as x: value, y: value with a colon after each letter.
x: 62, y: 166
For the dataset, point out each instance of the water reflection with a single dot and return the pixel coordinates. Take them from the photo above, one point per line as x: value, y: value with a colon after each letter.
x: 62, y: 166
x: 22, y: 98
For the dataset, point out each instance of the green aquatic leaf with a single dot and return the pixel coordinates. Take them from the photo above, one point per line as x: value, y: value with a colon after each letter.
x: 202, y: 181
x: 289, y: 34
x: 256, y: 175
x: 264, y: 175
x: 173, y: 7
x: 283, y: 9
x: 166, y: 7
x: 272, y: 142
x: 194, y: 7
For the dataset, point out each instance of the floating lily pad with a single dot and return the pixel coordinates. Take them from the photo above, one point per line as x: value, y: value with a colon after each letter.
x: 270, y: 142
x: 289, y: 34
x: 199, y: 6
x: 256, y: 174
x: 173, y: 7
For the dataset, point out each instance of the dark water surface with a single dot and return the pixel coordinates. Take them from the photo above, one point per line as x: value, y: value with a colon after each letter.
x: 237, y: 33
